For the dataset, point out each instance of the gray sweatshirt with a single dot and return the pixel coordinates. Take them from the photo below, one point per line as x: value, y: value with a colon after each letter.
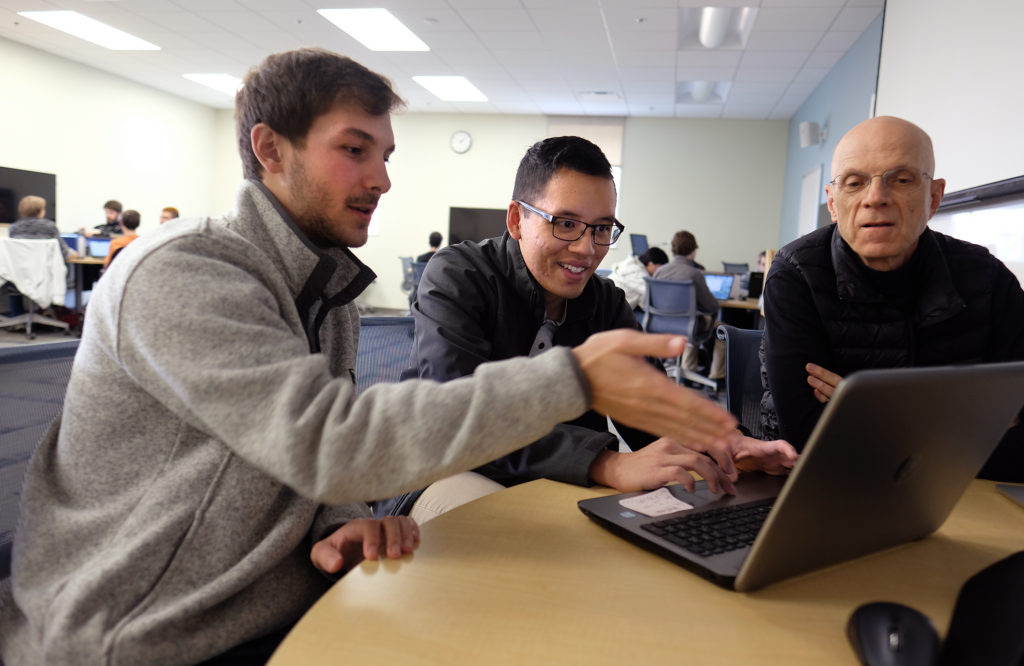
x: 211, y: 434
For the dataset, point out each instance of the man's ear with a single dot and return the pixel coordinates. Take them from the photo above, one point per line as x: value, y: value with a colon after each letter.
x: 267, y: 145
x: 512, y: 220
x: 830, y: 196
x: 938, y: 187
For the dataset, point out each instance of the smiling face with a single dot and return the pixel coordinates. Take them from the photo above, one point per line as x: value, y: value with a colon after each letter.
x: 882, y: 224
x: 331, y: 183
x: 562, y: 267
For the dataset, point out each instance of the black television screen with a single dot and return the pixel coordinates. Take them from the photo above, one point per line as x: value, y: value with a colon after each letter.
x: 18, y: 183
x: 474, y: 224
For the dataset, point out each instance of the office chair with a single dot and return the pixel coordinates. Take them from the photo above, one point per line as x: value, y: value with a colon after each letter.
x: 385, y: 350
x: 743, y: 375
x: 670, y: 306
x: 417, y: 272
x: 407, y: 275
x: 732, y: 267
x: 36, y: 269
x: 35, y: 378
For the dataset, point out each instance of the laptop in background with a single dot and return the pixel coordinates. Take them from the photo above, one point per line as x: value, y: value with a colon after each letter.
x: 886, y: 463
x: 71, y: 240
x: 755, y: 284
x: 720, y: 284
x: 98, y: 247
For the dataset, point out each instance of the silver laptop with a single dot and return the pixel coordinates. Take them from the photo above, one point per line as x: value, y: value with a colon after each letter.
x: 887, y: 461
x: 720, y: 284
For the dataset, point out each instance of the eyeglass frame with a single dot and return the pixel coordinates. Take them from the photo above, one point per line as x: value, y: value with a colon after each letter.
x: 615, y: 224
x: 871, y: 177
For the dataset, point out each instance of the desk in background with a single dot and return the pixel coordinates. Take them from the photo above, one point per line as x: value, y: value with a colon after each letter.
x: 740, y: 312
x: 522, y: 577
x: 80, y: 263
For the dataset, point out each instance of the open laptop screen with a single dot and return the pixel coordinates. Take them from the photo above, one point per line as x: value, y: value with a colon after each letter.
x: 720, y: 284
x: 98, y: 247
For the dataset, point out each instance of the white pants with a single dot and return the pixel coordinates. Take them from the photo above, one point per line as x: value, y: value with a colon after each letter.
x: 446, y: 494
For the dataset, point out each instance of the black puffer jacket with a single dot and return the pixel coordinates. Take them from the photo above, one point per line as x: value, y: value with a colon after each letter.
x: 953, y: 302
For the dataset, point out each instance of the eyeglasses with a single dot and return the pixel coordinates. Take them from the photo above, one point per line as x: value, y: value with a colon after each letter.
x: 564, y: 228
x: 898, y: 180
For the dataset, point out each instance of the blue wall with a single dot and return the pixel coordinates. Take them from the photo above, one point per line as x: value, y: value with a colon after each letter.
x: 841, y: 101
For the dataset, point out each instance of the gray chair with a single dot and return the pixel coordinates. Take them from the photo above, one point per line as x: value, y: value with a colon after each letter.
x: 35, y: 378
x: 670, y: 306
x: 385, y: 350
x: 407, y: 274
x: 732, y: 267
x: 20, y: 261
x: 743, y: 376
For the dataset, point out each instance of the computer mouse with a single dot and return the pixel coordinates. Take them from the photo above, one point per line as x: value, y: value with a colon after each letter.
x: 889, y: 634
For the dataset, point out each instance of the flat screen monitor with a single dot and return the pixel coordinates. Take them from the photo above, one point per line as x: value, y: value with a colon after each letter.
x: 98, y: 247
x: 639, y: 243
x: 18, y: 183
x: 71, y: 240
x: 475, y: 224
x: 720, y: 284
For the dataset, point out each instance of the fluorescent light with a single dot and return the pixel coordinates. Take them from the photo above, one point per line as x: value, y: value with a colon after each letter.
x: 451, y: 88
x: 376, y: 29
x: 91, y: 30
x: 224, y: 83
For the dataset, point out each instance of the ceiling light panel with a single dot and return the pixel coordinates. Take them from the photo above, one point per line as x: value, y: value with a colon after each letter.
x: 224, y: 83
x: 90, y: 30
x: 451, y: 88
x: 376, y: 29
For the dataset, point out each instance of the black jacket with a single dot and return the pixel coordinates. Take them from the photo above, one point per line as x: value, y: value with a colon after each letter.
x: 479, y: 303
x: 953, y: 302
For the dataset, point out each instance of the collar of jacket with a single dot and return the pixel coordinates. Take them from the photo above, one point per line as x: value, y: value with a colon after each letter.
x: 581, y: 308
x: 937, y: 298
x: 320, y: 278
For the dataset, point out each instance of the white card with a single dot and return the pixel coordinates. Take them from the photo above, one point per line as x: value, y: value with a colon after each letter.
x: 655, y: 503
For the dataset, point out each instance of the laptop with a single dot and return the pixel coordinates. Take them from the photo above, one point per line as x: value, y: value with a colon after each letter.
x: 98, y: 247
x: 720, y: 284
x: 887, y: 461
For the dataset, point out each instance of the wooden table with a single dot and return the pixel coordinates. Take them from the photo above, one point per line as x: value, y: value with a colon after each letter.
x: 522, y: 577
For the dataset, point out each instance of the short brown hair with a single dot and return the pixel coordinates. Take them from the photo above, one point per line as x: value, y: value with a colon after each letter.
x: 113, y: 205
x: 31, y: 206
x: 130, y: 220
x: 683, y: 243
x: 288, y: 91
x: 172, y: 210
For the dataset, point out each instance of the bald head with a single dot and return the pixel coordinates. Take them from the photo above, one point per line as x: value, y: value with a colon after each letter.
x: 883, y: 190
x: 885, y: 138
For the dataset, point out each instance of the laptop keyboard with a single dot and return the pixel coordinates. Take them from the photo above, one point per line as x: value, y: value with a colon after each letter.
x: 716, y: 531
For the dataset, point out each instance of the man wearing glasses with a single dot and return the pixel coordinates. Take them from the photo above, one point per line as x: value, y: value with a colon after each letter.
x: 879, y: 289
x: 532, y: 289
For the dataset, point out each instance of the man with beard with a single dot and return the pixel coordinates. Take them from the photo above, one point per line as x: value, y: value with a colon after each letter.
x: 198, y: 528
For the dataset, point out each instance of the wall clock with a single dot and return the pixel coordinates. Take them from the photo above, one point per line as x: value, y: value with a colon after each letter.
x: 461, y: 141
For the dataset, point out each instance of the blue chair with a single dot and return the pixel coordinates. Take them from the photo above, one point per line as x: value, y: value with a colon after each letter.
x: 670, y: 306
x: 417, y: 272
x: 407, y: 274
x: 743, y: 376
x: 385, y: 350
x: 35, y: 378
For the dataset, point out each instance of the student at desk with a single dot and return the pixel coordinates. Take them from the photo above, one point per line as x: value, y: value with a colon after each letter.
x: 199, y: 529
x: 879, y: 289
x: 32, y: 223
x: 532, y: 290
x: 684, y: 267
x: 129, y: 222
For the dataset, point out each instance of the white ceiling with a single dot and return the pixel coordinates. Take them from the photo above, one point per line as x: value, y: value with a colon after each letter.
x: 527, y: 56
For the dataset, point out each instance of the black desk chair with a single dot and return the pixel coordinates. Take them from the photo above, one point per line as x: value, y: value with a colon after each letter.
x: 35, y: 378
x: 670, y: 306
x: 743, y: 376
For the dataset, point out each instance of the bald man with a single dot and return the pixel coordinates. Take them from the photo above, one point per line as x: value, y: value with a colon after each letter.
x: 879, y: 289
